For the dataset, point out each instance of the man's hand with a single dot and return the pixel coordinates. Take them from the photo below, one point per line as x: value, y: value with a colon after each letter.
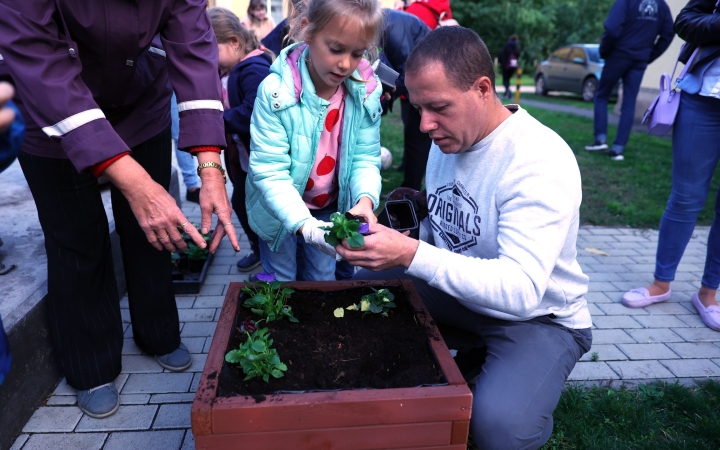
x: 214, y: 199
x: 364, y: 209
x: 384, y: 249
x: 7, y: 115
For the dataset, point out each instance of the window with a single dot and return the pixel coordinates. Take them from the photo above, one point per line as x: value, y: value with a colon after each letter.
x: 577, y: 52
x: 560, y: 55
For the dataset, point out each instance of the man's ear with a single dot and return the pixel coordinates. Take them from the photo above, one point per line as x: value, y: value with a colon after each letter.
x: 483, y: 87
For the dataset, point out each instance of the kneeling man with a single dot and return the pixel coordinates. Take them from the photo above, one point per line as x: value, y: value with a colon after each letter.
x: 496, y: 256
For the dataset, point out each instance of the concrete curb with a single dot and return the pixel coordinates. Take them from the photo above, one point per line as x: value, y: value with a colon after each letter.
x: 35, y: 372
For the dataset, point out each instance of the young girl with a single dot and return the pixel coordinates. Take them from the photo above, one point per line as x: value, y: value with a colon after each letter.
x: 241, y: 57
x: 257, y: 19
x: 315, y: 145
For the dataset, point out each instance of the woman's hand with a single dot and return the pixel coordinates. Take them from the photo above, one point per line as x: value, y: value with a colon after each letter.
x: 214, y: 200
x: 155, y: 209
x: 7, y: 115
x: 364, y: 208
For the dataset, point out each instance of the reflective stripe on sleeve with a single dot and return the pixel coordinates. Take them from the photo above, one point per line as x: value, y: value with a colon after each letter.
x: 157, y: 51
x: 200, y: 104
x: 75, y: 121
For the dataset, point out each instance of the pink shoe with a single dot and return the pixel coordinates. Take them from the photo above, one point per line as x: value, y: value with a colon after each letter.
x: 710, y: 315
x: 640, y: 297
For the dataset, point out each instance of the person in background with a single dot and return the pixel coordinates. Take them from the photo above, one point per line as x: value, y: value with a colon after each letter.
x: 696, y: 151
x: 258, y: 20
x: 496, y: 259
x: 12, y: 133
x: 315, y: 137
x: 636, y: 33
x: 187, y: 165
x: 430, y: 11
x: 401, y: 33
x: 279, y: 38
x: 240, y: 56
x: 90, y: 112
x: 508, y: 61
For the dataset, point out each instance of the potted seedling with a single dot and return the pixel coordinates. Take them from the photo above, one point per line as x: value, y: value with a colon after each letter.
x: 345, y: 226
x: 190, y: 266
x: 382, y: 379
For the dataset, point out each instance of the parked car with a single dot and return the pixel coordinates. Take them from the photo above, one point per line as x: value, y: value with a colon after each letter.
x: 573, y: 68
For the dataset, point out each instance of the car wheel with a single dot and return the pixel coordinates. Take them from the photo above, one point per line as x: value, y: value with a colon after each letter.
x: 540, y: 85
x: 589, y: 88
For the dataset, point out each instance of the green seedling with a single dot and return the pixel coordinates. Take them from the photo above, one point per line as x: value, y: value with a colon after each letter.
x: 195, y: 252
x: 267, y: 299
x: 257, y: 358
x: 379, y: 302
x: 344, y: 228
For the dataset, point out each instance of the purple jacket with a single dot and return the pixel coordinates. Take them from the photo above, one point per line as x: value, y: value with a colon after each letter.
x: 95, y: 78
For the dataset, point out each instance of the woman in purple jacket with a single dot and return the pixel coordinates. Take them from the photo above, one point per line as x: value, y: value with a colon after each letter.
x: 94, y: 81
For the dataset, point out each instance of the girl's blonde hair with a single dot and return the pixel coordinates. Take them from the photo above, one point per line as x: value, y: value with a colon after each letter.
x: 320, y: 13
x: 226, y: 26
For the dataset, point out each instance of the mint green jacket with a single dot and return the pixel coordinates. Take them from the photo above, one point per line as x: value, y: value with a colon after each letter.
x: 284, y: 133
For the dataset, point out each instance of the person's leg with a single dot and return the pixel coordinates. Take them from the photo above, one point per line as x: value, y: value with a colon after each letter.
x: 252, y: 259
x: 417, y: 148
x: 506, y: 75
x: 344, y: 270
x: 83, y: 305
x: 631, y: 86
x: 186, y: 162
x: 695, y: 156
x: 148, y: 272
x: 525, y: 370
x: 611, y: 73
x: 281, y: 262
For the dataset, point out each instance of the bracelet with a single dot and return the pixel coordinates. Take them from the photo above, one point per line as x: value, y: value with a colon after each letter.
x: 212, y: 164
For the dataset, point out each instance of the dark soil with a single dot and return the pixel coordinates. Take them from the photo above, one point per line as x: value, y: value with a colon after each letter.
x: 323, y: 352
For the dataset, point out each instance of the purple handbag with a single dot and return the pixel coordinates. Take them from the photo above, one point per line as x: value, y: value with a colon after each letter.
x: 660, y: 116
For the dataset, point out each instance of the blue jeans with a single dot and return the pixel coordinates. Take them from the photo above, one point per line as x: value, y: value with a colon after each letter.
x: 631, y: 72
x: 185, y: 160
x: 524, y: 372
x: 284, y: 263
x: 696, y: 151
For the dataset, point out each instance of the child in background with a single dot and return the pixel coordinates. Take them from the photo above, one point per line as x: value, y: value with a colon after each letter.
x: 315, y: 145
x: 241, y: 57
x: 257, y: 19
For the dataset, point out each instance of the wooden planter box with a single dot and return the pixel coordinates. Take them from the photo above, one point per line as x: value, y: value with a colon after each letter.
x: 428, y: 417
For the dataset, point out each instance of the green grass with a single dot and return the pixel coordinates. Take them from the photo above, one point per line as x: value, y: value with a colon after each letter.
x: 615, y: 193
x: 563, y: 99
x: 525, y: 80
x: 656, y: 416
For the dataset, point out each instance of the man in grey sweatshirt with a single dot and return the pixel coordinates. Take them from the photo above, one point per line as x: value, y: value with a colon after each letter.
x: 497, y: 252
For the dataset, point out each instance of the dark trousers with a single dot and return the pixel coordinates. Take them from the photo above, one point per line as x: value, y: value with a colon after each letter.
x: 507, y: 77
x: 238, y: 204
x: 417, y: 147
x: 83, y: 304
x: 631, y: 72
x: 524, y: 372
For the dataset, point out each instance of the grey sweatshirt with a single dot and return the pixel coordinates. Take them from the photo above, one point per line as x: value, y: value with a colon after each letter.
x: 502, y: 226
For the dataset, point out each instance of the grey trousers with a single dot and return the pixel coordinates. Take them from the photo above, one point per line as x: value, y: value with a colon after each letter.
x: 525, y: 368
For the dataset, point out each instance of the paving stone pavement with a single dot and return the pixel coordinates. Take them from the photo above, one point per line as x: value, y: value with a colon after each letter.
x: 660, y: 342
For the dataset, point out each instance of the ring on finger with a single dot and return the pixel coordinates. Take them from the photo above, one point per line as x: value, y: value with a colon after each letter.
x: 183, y: 225
x: 229, y: 224
x: 162, y: 238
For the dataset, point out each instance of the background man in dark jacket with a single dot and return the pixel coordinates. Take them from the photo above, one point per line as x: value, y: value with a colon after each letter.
x: 401, y: 32
x: 636, y: 33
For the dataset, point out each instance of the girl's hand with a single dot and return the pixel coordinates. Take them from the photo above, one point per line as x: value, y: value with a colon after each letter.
x: 364, y: 209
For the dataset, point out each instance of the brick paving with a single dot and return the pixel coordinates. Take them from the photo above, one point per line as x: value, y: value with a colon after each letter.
x: 661, y: 342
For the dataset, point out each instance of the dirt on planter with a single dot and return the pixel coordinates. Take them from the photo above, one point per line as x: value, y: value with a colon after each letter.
x: 323, y: 352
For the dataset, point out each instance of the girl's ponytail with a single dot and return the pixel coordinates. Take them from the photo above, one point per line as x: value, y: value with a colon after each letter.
x: 226, y: 26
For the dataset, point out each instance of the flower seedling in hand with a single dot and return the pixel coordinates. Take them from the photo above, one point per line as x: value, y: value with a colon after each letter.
x: 256, y: 357
x: 268, y: 299
x: 344, y: 228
